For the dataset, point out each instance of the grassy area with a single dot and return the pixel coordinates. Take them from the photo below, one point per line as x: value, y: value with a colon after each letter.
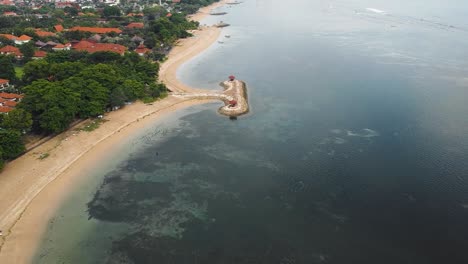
x: 19, y: 72
x: 44, y: 156
x: 93, y: 124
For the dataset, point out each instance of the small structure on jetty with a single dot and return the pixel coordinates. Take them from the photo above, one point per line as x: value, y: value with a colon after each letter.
x: 234, y: 97
x: 222, y: 24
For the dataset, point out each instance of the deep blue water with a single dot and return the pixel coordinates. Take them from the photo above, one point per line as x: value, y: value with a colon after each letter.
x: 354, y: 151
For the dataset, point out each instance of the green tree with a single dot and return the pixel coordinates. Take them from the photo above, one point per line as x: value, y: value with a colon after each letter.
x: 7, y: 69
x: 133, y: 90
x: 71, y: 11
x: 103, y: 57
x: 52, y: 105
x: 18, y: 119
x: 35, y: 70
x: 111, y: 11
x: 11, y: 144
x: 65, y: 56
x: 62, y: 71
x: 117, y: 97
x: 28, y: 50
x: 107, y: 75
x: 93, y: 96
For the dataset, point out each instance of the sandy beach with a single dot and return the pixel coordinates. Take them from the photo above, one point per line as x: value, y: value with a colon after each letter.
x: 31, y: 188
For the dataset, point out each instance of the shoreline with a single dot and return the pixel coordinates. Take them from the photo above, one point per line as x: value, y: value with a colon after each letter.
x: 32, y: 189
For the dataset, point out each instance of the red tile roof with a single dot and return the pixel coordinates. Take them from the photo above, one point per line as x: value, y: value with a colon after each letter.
x: 8, y: 36
x: 135, y: 25
x: 42, y: 33
x: 10, y: 14
x: 24, y: 38
x: 40, y: 54
x: 96, y: 30
x: 11, y: 50
x: 141, y: 49
x: 135, y: 14
x: 59, y: 46
x: 4, y: 81
x: 2, y: 100
x: 5, y: 109
x: 10, y: 96
x: 6, y: 2
x: 10, y: 103
x: 95, y: 47
x: 58, y: 28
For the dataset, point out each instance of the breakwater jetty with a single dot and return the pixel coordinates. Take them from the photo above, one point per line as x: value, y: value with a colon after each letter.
x: 234, y: 97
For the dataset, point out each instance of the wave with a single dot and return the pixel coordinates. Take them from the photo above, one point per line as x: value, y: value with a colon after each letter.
x: 375, y: 10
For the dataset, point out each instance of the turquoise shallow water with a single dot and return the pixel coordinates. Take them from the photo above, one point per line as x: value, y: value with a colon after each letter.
x: 354, y: 152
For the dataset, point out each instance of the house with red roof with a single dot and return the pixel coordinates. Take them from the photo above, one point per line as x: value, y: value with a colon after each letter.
x: 135, y: 25
x: 7, y: 2
x: 63, y: 4
x: 43, y: 34
x: 66, y: 46
x: 58, y: 28
x: 22, y: 39
x: 8, y: 36
x: 10, y: 14
x: 91, y: 47
x: 142, y: 50
x: 18, y: 40
x: 4, y: 83
x: 10, y: 50
x: 11, y: 97
x: 9, y: 103
x: 5, y: 110
x: 135, y: 14
x: 39, y: 54
x: 96, y: 30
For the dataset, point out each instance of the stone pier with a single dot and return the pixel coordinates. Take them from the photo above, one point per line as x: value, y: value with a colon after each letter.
x: 234, y: 97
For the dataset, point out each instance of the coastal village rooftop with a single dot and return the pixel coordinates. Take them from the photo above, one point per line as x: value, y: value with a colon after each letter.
x: 96, y: 30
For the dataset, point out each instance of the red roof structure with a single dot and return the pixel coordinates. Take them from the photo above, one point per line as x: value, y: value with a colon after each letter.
x: 232, y: 77
x: 40, y: 54
x: 142, y: 50
x: 10, y: 103
x: 4, y: 81
x: 96, y: 47
x: 96, y: 30
x: 135, y: 25
x: 10, y: 14
x: 24, y: 38
x: 8, y: 36
x: 6, y: 2
x: 11, y: 50
x: 10, y: 96
x: 168, y: 15
x: 135, y: 14
x: 58, y: 28
x: 4, y: 109
x: 43, y: 34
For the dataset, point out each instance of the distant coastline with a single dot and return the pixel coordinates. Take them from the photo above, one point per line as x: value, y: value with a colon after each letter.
x: 32, y: 189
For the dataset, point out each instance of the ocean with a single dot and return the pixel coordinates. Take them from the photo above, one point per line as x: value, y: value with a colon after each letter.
x: 354, y: 150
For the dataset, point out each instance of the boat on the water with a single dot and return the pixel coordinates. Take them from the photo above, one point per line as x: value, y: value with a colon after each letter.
x: 227, y: 36
x: 218, y: 13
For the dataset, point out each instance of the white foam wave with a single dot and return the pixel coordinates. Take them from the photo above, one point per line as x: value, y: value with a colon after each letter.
x: 375, y: 10
x: 367, y: 133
